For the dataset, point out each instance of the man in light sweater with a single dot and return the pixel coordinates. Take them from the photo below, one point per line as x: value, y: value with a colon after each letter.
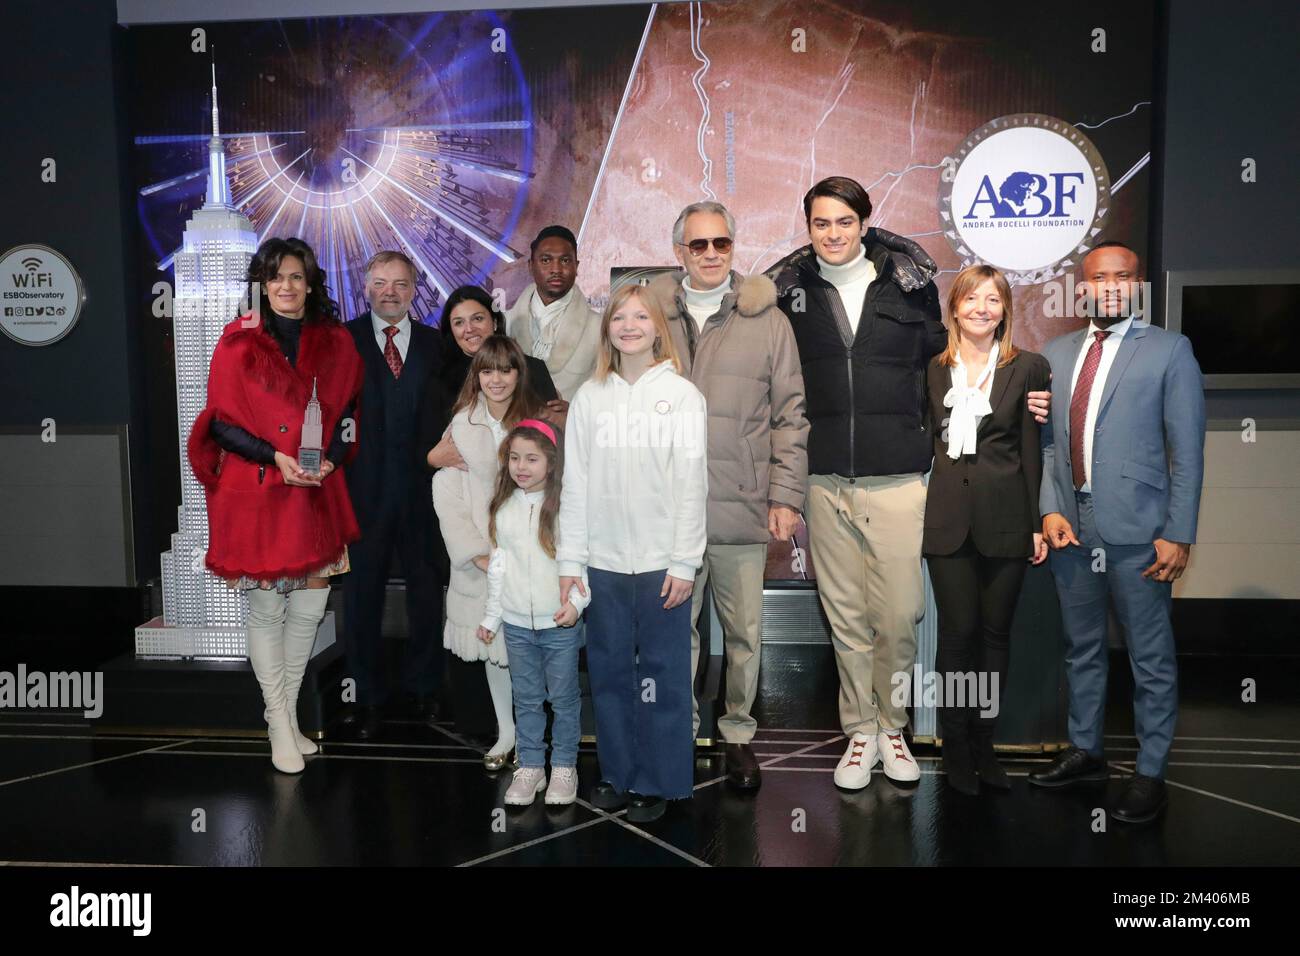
x: 552, y: 320
x: 740, y: 353
x: 866, y: 318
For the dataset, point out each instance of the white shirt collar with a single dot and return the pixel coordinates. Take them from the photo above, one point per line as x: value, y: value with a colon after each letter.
x: 1117, y: 331
x: 403, y: 324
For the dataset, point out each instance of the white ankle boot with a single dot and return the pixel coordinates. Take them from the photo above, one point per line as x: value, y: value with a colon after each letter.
x: 306, y: 610
x: 266, y: 617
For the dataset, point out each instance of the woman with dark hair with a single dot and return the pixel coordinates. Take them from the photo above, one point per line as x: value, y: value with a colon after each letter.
x: 468, y: 319
x: 283, y: 377
x: 494, y: 398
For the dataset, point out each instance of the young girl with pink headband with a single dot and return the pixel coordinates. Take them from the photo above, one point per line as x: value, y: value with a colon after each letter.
x: 523, y: 593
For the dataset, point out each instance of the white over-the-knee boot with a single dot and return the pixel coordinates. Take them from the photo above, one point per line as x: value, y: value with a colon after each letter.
x: 266, y: 618
x: 306, y: 609
x: 498, y: 679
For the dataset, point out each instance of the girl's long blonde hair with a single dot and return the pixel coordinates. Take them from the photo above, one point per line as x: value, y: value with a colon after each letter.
x: 966, y: 282
x: 608, y: 358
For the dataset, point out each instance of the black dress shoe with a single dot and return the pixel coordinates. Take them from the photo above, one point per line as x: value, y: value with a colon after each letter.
x: 1141, y: 801
x: 1071, y: 765
x: 363, y: 722
x: 605, y: 797
x: 643, y: 809
x: 991, y: 773
x: 423, y: 707
x: 959, y: 766
x: 742, y: 767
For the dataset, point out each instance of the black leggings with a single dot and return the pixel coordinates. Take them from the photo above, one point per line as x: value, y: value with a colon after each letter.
x: 976, y: 597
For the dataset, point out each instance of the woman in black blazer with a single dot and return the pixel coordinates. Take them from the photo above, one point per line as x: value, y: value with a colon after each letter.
x: 981, y: 514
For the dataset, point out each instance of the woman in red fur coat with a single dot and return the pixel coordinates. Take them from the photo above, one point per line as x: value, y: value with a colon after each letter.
x: 274, y: 530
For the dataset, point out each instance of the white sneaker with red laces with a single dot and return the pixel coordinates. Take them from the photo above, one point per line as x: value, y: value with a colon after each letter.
x: 854, y: 769
x: 896, y: 758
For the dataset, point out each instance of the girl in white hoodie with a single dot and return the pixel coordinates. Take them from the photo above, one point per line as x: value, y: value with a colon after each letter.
x: 632, y: 516
x: 523, y: 592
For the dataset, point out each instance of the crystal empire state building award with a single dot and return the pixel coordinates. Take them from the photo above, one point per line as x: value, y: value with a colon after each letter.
x: 309, y: 452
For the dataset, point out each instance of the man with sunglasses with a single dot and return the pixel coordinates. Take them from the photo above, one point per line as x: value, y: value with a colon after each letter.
x: 866, y: 318
x: 739, y: 351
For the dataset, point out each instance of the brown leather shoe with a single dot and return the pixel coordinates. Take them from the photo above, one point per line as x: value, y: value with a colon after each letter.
x: 742, y: 767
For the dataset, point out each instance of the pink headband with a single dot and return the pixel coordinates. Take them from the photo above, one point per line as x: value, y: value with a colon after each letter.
x: 541, y: 426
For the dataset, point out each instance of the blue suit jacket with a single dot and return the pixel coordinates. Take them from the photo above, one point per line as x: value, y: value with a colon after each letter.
x: 1148, y: 449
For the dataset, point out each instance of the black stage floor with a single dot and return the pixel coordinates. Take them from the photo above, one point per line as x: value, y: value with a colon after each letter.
x: 420, y: 797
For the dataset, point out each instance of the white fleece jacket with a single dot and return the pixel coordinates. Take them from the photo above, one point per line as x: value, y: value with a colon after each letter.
x: 635, y: 476
x: 523, y: 582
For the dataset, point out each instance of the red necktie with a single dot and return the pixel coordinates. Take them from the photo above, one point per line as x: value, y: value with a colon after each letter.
x: 1079, y: 408
x: 391, y: 355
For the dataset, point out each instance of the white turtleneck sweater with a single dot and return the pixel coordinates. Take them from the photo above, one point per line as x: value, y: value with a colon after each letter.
x: 704, y: 305
x: 851, y: 281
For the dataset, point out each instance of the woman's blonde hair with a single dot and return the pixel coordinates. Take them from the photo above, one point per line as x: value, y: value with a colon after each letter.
x: 608, y: 358
x: 967, y: 281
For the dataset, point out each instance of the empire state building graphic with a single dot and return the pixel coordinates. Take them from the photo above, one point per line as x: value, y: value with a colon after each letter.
x: 202, y: 616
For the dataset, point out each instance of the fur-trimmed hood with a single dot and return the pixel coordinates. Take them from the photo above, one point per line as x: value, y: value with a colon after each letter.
x: 912, y: 266
x: 755, y: 294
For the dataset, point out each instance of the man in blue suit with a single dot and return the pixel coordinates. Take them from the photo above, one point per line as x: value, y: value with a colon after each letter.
x: 389, y: 485
x: 1123, y: 456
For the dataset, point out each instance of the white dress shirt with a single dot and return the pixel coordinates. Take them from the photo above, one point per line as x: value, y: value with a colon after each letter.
x: 402, y: 338
x: 1109, y: 348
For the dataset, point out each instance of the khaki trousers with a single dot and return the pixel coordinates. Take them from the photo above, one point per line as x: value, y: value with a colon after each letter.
x: 865, y: 539
x: 736, y: 571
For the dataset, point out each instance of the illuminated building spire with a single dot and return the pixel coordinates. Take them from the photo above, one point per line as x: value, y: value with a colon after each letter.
x: 218, y: 188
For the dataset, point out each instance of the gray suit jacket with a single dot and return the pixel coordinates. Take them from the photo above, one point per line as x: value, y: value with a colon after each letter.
x: 1148, y: 450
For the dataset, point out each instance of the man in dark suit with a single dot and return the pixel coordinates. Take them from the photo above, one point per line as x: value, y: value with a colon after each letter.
x: 391, y: 495
x: 1123, y: 458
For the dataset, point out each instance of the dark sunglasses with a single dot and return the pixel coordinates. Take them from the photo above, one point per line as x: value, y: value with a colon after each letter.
x: 699, y: 246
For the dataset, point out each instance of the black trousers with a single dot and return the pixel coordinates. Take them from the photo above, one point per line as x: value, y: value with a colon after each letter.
x: 394, y: 529
x: 976, y: 596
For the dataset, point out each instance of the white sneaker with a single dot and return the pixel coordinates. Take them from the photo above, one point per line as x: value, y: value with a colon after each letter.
x: 563, y: 788
x: 896, y: 758
x: 525, y: 785
x: 854, y: 769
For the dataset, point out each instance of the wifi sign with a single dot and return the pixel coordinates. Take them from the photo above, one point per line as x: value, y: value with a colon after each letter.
x: 42, y: 292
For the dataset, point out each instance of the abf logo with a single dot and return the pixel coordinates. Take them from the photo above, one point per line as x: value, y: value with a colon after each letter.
x: 1025, y: 195
x: 1028, y: 193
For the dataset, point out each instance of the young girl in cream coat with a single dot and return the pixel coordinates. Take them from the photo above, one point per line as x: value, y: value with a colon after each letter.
x: 495, y: 396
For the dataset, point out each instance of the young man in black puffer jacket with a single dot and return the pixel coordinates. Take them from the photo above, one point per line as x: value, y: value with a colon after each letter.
x: 866, y: 319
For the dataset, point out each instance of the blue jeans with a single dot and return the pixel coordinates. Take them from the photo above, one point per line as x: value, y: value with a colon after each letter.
x: 544, y: 666
x: 639, y: 663
x: 1143, y: 607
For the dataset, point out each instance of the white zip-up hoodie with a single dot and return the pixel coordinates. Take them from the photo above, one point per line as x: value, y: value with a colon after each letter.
x: 635, y: 476
x: 523, y: 586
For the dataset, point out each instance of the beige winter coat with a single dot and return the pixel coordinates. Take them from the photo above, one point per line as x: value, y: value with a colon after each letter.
x: 461, y: 499
x: 573, y: 356
x: 746, y: 363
